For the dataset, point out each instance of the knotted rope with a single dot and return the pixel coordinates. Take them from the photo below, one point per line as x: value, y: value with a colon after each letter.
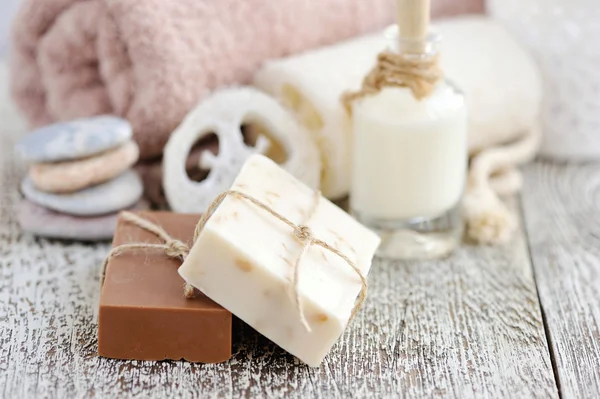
x: 420, y: 73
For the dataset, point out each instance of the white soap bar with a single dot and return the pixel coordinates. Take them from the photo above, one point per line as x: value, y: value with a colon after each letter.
x: 501, y: 82
x: 244, y: 260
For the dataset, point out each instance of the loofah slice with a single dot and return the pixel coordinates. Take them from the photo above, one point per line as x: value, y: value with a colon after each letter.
x: 273, y: 130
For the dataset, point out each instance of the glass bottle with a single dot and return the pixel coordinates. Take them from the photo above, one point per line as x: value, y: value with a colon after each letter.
x: 410, y: 161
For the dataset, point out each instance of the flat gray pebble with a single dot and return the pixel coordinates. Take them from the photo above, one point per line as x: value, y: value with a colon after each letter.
x: 43, y: 222
x: 114, y: 195
x: 74, y: 139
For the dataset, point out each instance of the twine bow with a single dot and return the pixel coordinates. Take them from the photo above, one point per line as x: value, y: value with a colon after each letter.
x: 420, y: 73
x: 175, y: 248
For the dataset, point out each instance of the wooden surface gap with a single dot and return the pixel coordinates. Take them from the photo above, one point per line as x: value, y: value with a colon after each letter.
x: 561, y: 211
x: 553, y: 358
x: 547, y: 333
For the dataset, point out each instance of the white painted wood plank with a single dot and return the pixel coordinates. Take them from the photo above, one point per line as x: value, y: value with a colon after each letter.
x: 465, y: 327
x: 561, y: 203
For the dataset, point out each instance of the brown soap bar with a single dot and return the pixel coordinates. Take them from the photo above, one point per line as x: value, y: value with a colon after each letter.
x: 143, y: 313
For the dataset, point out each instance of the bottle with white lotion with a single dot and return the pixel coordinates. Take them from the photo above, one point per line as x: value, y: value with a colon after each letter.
x: 410, y: 154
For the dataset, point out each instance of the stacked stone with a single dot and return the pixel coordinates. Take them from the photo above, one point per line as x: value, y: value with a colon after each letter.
x: 79, y: 178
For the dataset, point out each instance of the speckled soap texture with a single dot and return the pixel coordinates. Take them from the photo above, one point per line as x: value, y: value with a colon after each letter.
x: 109, y: 197
x: 74, y: 139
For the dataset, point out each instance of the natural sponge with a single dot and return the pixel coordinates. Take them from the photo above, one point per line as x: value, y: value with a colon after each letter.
x: 273, y: 131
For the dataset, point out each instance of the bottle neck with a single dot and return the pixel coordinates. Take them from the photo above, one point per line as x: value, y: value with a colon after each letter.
x: 427, y: 47
x: 406, y: 64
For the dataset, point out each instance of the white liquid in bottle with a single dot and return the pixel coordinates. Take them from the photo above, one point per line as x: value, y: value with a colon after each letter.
x: 410, y: 162
x: 410, y: 156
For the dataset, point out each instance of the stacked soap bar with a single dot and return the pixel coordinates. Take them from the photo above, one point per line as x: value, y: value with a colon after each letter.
x: 246, y: 255
x: 143, y: 312
x: 79, y: 178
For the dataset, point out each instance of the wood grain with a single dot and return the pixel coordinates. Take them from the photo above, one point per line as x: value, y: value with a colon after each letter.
x: 469, y: 326
x: 561, y: 203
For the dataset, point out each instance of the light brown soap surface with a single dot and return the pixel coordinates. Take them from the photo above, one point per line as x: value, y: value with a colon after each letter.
x: 143, y: 313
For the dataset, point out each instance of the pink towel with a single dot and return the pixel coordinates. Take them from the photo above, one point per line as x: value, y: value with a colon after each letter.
x: 152, y: 60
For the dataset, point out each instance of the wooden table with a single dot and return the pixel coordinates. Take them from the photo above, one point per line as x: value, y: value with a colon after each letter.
x: 521, y: 320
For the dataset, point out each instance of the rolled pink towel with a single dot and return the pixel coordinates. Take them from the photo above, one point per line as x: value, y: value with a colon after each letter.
x: 150, y: 61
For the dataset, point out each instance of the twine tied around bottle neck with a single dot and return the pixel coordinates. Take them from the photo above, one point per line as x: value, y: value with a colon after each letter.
x: 419, y: 73
x: 178, y: 249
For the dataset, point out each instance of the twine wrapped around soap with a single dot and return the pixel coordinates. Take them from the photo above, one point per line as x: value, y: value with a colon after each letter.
x: 177, y: 249
x: 304, y: 235
x: 418, y: 72
x: 173, y: 248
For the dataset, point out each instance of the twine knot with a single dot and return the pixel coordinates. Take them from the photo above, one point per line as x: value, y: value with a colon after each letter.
x: 419, y: 73
x: 176, y: 249
x: 173, y: 248
x: 303, y: 233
